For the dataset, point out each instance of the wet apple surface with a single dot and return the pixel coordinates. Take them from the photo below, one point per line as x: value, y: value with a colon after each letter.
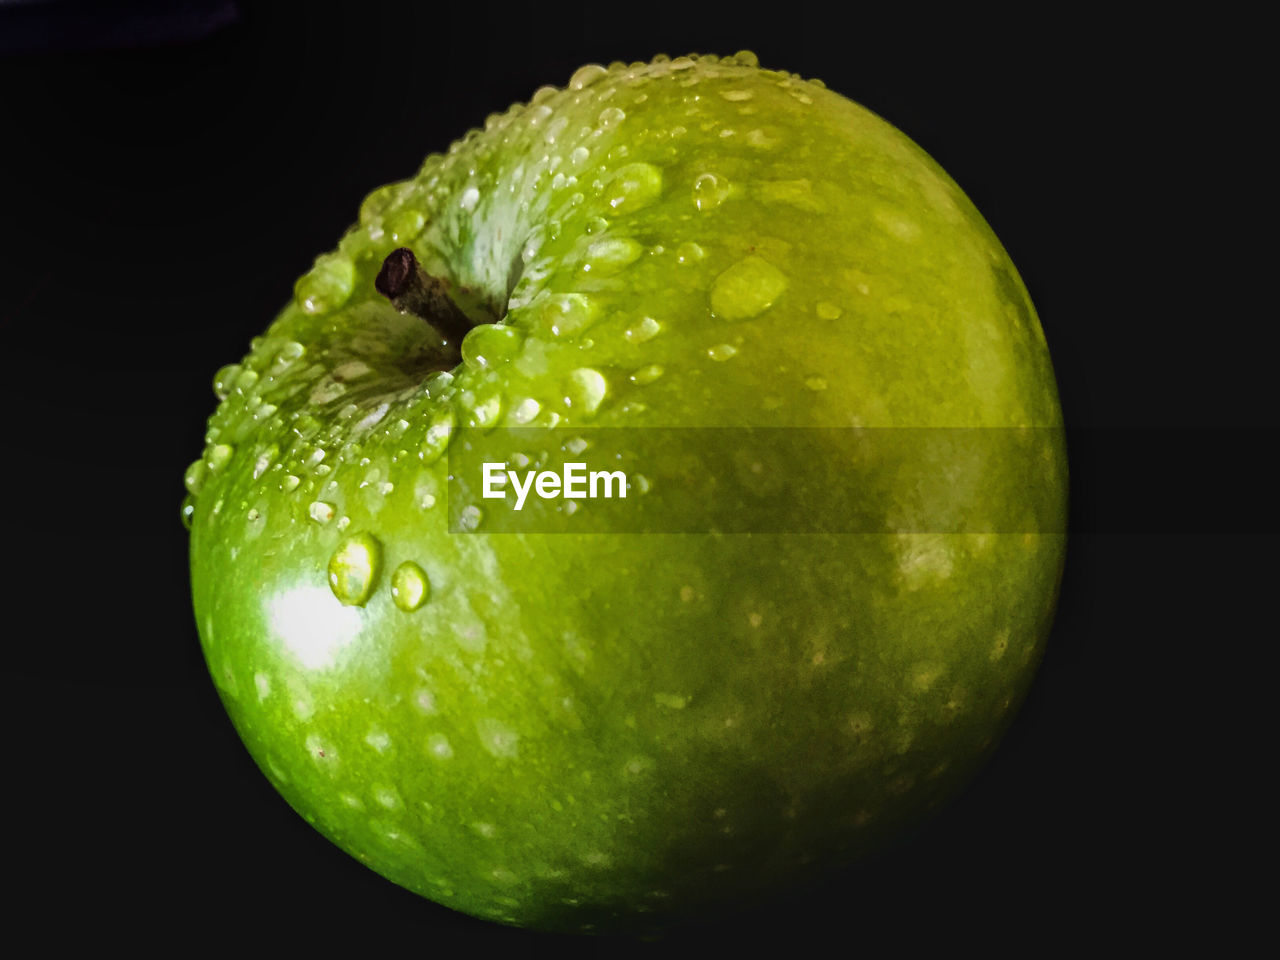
x: 592, y: 732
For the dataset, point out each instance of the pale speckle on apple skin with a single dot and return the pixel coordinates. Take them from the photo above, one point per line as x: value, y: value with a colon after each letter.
x: 321, y: 752
x: 498, y: 738
x: 639, y: 765
x: 897, y: 225
x: 425, y: 700
x: 504, y: 876
x: 387, y: 797
x: 924, y: 675
x: 923, y: 557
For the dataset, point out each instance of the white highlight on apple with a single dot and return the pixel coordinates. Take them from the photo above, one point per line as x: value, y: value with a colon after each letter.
x: 313, y: 625
x: 572, y: 483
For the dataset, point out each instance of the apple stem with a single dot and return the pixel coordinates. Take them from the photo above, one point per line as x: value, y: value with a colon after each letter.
x: 412, y: 290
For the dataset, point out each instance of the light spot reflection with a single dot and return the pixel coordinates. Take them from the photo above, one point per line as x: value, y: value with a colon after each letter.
x: 312, y: 625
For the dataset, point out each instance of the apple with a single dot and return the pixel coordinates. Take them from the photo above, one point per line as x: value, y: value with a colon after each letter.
x: 588, y: 729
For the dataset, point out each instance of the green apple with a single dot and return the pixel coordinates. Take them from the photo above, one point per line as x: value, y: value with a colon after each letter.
x: 592, y: 731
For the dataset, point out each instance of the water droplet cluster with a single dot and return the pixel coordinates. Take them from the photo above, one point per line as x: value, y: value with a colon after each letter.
x: 556, y: 227
x: 587, y: 199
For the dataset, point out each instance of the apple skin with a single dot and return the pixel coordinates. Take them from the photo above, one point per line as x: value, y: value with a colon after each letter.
x: 598, y: 733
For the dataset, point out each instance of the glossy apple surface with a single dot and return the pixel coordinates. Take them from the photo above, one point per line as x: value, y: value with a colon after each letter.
x: 598, y: 732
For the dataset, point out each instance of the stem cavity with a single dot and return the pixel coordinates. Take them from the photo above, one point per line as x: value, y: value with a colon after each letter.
x: 412, y: 290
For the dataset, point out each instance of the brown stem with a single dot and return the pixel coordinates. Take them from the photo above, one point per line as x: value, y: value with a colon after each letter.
x: 412, y: 290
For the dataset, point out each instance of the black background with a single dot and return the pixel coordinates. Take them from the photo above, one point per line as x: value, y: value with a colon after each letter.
x: 169, y: 169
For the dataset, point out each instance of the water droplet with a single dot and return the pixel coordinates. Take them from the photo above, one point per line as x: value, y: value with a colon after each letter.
x: 484, y: 404
x: 689, y: 252
x: 437, y: 437
x: 564, y: 314
x: 828, y: 311
x: 644, y: 329
x: 327, y: 285
x: 405, y: 225
x: 264, y: 461
x: 354, y: 569
x: 579, y: 156
x: 747, y: 288
x: 585, y: 390
x: 634, y: 187
x: 746, y: 58
x: 490, y: 344
x: 709, y: 191
x: 409, y: 586
x: 525, y: 410
x: 289, y: 483
x: 219, y: 456
x: 470, y: 518
x: 736, y: 96
x: 722, y: 351
x: 287, y: 355
x: 761, y: 140
x: 470, y: 197
x: 646, y: 374
x: 224, y: 380
x: 247, y: 380
x: 610, y: 117
x: 193, y: 479
x: 381, y: 200
x: 816, y: 383
x: 188, y: 511
x: 585, y: 76
x: 612, y: 254
x: 321, y: 512
x: 552, y: 133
